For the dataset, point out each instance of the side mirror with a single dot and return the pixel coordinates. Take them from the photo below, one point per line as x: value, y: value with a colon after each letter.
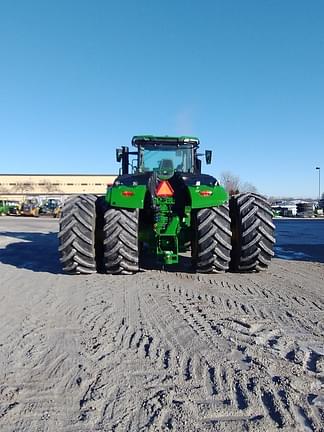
x: 208, y: 156
x: 119, y: 154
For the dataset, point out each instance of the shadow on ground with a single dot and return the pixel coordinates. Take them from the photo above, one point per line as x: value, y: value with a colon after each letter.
x: 36, y: 251
x: 39, y: 252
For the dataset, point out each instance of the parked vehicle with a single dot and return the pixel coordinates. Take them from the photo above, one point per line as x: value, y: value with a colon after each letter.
x: 4, y: 208
x: 30, y: 207
x: 14, y: 208
x: 165, y: 205
x: 49, y: 206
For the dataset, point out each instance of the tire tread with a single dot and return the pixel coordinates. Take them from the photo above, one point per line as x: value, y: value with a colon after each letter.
x: 253, y: 232
x: 212, y: 240
x: 121, y: 251
x: 77, y: 235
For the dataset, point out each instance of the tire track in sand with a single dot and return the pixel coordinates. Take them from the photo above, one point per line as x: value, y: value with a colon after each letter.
x: 163, y: 351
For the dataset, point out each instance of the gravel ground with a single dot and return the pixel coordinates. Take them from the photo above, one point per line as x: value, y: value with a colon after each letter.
x: 156, y: 351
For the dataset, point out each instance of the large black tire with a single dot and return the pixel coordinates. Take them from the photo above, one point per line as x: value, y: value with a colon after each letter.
x: 77, y: 235
x: 121, y: 246
x: 211, y: 245
x: 101, y: 208
x: 252, y: 232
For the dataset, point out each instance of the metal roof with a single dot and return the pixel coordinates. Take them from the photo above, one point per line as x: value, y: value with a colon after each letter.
x: 165, y: 139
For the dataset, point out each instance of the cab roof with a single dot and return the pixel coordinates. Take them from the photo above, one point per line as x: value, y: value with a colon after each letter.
x: 160, y: 140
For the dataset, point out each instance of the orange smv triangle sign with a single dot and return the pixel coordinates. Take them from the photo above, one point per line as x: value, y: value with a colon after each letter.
x: 164, y: 189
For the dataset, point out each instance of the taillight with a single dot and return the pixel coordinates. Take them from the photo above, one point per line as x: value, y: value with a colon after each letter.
x: 164, y: 189
x: 205, y: 193
x: 127, y: 193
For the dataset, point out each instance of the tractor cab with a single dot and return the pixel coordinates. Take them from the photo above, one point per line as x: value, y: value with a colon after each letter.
x: 162, y: 154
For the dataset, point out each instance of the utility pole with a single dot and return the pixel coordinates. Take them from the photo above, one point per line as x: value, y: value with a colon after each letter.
x: 319, y: 182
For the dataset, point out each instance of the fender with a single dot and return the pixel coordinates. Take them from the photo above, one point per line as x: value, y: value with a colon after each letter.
x: 131, y: 197
x: 203, y: 196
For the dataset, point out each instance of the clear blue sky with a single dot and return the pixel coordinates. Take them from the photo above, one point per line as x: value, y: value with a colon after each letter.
x: 80, y: 78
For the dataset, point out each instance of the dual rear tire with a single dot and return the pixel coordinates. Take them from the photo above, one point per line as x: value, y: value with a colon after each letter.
x: 252, y: 232
x: 211, y: 245
x: 121, y: 248
x: 77, y: 235
x: 237, y: 237
x: 93, y: 237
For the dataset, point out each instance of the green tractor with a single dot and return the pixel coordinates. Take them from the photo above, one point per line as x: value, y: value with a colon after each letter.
x: 4, y: 208
x: 165, y: 206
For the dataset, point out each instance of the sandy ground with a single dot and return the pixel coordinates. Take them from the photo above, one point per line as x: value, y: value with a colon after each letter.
x: 157, y: 351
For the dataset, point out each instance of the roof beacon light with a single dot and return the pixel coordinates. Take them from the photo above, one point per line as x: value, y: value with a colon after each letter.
x: 164, y: 189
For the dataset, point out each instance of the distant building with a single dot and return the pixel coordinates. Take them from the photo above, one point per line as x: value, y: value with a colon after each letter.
x: 285, y: 210
x: 305, y: 209
x: 18, y: 186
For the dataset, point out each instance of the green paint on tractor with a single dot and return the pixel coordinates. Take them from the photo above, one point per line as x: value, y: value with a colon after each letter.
x: 130, y: 197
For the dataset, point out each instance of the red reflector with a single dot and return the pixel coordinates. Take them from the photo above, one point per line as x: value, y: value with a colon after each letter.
x: 127, y: 193
x: 164, y: 189
x: 205, y: 193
